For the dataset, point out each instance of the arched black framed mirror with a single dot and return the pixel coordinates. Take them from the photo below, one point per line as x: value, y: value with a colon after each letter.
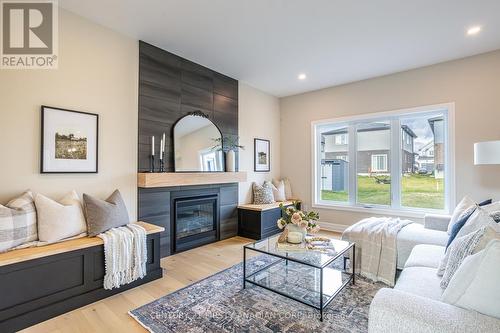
x: 197, y: 144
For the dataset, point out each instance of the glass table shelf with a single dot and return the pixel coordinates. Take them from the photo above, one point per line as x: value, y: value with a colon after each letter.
x: 308, y: 276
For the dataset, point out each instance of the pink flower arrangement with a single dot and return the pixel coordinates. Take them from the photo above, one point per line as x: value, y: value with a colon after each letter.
x: 302, y: 219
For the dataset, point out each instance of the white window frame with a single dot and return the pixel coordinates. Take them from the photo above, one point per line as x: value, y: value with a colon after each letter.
x: 342, y: 139
x: 395, y: 116
x: 384, y: 159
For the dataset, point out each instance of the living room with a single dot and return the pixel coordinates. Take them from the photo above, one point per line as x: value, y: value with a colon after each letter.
x: 253, y: 166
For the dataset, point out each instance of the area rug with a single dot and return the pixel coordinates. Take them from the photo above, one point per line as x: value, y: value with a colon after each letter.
x: 220, y: 304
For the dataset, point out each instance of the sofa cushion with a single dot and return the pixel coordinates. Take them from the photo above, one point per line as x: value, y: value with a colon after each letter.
x: 475, y: 284
x: 462, y: 248
x: 457, y: 252
x: 425, y: 255
x: 460, y: 223
x: 421, y: 281
x: 462, y: 206
x: 483, y: 216
x: 414, y: 234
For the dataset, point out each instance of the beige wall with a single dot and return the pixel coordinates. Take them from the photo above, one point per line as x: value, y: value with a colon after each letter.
x: 472, y: 83
x: 98, y: 73
x: 259, y: 117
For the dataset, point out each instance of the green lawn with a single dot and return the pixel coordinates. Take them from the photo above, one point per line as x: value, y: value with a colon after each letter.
x: 419, y: 191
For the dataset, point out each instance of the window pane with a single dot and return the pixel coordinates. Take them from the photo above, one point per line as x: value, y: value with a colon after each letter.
x: 373, y: 163
x: 334, y: 164
x: 422, y: 181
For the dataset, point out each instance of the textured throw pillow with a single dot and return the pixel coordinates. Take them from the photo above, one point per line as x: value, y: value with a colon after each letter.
x: 475, y: 284
x: 104, y: 215
x: 18, y: 222
x: 461, y: 207
x: 288, y: 189
x: 464, y: 247
x: 279, y: 190
x: 466, y: 214
x: 479, y: 219
x: 60, y: 220
x: 495, y: 216
x: 263, y: 194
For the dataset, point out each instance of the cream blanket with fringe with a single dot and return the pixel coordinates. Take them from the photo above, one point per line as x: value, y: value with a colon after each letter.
x: 376, y: 253
x: 125, y: 255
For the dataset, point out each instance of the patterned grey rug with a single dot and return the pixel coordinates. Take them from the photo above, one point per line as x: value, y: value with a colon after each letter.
x: 219, y: 304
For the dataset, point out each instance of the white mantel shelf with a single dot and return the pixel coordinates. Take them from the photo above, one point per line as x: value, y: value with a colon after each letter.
x: 166, y: 179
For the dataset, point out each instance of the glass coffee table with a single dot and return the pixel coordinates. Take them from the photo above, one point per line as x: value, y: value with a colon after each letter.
x: 307, y: 276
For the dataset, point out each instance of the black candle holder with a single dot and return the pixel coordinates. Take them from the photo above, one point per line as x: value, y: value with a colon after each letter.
x: 152, y: 163
x: 162, y: 162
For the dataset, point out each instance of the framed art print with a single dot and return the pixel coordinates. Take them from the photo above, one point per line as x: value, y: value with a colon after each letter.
x: 69, y: 141
x: 262, y: 157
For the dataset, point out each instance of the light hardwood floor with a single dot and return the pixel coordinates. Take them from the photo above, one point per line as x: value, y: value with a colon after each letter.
x: 180, y: 270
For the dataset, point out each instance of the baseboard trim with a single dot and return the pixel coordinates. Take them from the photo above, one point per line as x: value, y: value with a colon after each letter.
x: 335, y: 227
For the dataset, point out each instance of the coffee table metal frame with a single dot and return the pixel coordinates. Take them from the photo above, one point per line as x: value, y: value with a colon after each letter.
x: 322, y: 304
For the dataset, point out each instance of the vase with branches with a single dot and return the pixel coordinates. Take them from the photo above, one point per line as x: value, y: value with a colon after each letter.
x: 228, y: 144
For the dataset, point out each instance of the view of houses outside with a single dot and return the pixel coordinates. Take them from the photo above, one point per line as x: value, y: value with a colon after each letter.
x: 422, y: 163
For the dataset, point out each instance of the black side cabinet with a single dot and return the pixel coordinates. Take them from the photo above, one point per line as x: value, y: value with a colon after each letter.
x: 35, y: 290
x: 259, y: 221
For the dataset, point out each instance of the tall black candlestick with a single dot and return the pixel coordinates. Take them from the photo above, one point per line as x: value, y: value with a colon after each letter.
x: 152, y: 163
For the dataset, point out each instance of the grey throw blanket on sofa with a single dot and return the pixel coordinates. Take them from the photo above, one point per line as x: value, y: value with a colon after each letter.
x: 376, y: 253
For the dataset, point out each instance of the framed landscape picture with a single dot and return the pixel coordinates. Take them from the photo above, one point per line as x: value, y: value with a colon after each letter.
x: 69, y: 141
x: 262, y: 158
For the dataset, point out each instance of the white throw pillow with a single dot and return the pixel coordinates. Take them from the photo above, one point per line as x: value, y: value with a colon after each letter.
x: 279, y: 190
x: 60, y: 220
x: 480, y: 218
x: 18, y: 223
x: 475, y: 285
x: 461, y: 207
x: 464, y: 247
x: 288, y: 189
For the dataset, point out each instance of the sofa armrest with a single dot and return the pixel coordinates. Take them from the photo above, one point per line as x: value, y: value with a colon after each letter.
x: 437, y: 222
x: 397, y: 311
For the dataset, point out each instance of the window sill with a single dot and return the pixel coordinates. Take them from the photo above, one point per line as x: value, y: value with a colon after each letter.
x: 419, y: 214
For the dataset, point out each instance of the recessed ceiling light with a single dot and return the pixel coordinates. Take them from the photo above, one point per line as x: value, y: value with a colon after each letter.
x: 473, y: 30
x: 302, y: 76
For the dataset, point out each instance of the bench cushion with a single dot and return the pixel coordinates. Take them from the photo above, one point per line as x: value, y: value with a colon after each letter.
x: 17, y: 256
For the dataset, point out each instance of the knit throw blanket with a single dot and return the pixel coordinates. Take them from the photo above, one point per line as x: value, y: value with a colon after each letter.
x: 125, y: 255
x: 376, y: 252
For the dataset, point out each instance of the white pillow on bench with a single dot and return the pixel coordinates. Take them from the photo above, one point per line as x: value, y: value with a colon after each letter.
x: 60, y: 220
x: 18, y: 222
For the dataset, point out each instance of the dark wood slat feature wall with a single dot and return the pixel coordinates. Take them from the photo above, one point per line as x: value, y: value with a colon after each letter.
x: 169, y: 88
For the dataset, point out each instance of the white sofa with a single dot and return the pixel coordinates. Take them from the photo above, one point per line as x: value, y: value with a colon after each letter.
x: 432, y: 232
x: 414, y: 305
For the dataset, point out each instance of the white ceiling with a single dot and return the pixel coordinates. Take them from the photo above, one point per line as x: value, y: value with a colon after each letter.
x: 267, y: 43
